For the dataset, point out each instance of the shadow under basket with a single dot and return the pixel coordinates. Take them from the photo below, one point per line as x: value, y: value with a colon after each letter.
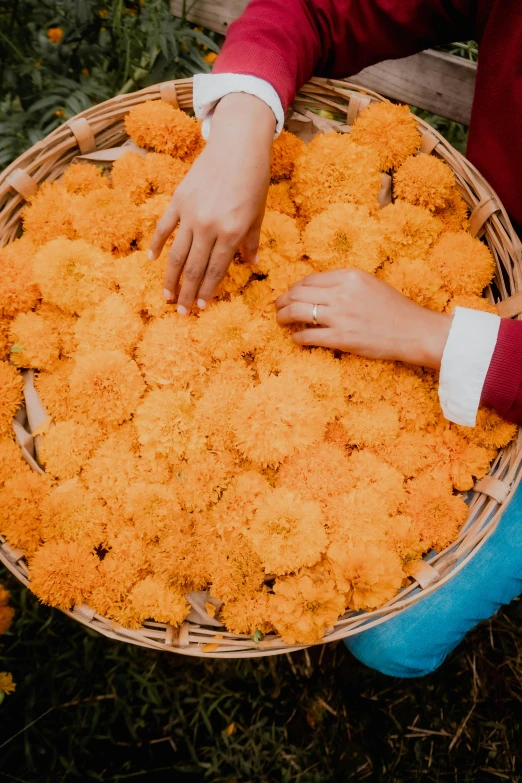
x: 99, y: 134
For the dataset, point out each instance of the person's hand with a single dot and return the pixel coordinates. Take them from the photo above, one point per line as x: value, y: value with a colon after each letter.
x: 359, y: 313
x: 220, y: 203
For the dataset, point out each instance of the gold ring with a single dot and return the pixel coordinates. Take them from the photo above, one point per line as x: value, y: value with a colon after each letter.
x: 314, y: 315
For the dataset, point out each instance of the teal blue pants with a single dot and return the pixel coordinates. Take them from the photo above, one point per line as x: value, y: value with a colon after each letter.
x: 417, y: 641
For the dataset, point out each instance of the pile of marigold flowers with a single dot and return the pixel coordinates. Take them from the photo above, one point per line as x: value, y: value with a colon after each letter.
x: 210, y: 452
x: 7, y: 685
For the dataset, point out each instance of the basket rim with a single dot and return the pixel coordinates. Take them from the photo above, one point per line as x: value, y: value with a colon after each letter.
x: 47, y: 159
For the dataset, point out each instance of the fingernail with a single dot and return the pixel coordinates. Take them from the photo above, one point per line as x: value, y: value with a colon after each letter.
x: 168, y: 296
x: 182, y: 310
x: 150, y: 255
x: 256, y: 261
x: 201, y: 304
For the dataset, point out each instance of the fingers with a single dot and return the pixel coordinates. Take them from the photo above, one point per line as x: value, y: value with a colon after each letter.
x: 323, y: 338
x: 323, y: 279
x: 164, y: 229
x: 194, y: 271
x: 303, y: 312
x: 301, y: 293
x: 177, y: 256
x: 250, y: 244
x: 221, y: 256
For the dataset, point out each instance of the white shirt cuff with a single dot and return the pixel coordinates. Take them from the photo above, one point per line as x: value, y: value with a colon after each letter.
x: 465, y: 363
x: 209, y: 88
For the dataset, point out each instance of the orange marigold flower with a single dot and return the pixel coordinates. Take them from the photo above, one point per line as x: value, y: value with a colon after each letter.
x: 63, y: 574
x: 111, y: 324
x: 141, y: 281
x: 235, y: 569
x: 169, y: 354
x: 106, y: 386
x: 20, y: 510
x: 302, y: 608
x: 459, y: 460
x: 210, y: 58
x: 415, y: 278
x: 368, y: 575
x: 260, y: 297
x: 73, y: 275
x: 108, y: 219
x: 278, y: 347
x: 6, y: 612
x: 156, y: 125
x: 236, y: 278
x: 371, y: 424
x: 318, y: 475
x: 358, y: 516
x: 271, y: 423
x: 67, y: 446
x: 55, y: 34
x: 415, y: 398
x: 285, y: 150
x: 408, y: 231
x: 49, y: 213
x: 279, y: 241
x: 435, y: 511
x: 334, y: 169
x: 237, y: 504
x: 248, y: 613
x: 152, y: 508
x: 471, y: 302
x: 129, y: 175
x: 490, y: 430
x: 34, y: 342
x: 11, y: 397
x: 151, y: 599
x: 365, y: 380
x: 227, y: 330
x: 182, y: 556
x: 165, y: 424
x: 284, y: 275
x: 287, y: 532
x: 389, y: 130
x: 402, y: 537
x: 204, y: 477
x: 72, y: 513
x: 368, y: 470
x: 11, y: 461
x: 409, y: 452
x: 164, y: 172
x: 61, y: 323
x: 465, y: 263
x: 218, y: 402
x: 7, y: 684
x: 19, y: 289
x: 279, y: 199
x: 5, y: 342
x: 344, y: 235
x: 118, y: 572
x: 455, y: 216
x: 426, y: 181
x: 112, y: 468
x: 82, y: 178
x: 321, y: 372
x: 150, y: 213
x: 53, y: 390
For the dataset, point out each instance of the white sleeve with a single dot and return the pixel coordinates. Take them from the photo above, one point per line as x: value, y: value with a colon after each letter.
x: 465, y: 363
x: 209, y: 88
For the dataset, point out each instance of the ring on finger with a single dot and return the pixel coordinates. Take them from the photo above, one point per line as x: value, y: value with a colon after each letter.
x: 314, y: 314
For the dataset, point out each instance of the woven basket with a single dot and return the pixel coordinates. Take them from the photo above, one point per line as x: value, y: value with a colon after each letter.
x: 95, y: 134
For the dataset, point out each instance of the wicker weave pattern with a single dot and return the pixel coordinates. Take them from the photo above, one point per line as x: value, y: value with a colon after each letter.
x: 102, y: 127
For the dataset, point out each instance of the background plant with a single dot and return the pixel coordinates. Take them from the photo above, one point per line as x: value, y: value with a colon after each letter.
x: 59, y: 57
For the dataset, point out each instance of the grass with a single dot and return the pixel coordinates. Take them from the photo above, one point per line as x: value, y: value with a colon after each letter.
x: 87, y: 708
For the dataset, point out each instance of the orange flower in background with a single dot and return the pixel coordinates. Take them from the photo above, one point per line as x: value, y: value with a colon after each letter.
x: 408, y: 231
x: 34, y: 342
x: 63, y: 574
x: 158, y: 126
x: 11, y: 397
x: 82, y: 178
x: 389, y: 130
x: 6, y: 614
x: 426, y: 181
x: 55, y: 34
x: 67, y: 446
x: 285, y: 150
x: 49, y: 214
x: 210, y: 58
x: 7, y: 684
x: 465, y: 263
x: 367, y: 575
x: 20, y: 291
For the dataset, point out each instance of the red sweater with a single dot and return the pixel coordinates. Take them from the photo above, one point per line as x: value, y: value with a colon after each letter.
x: 285, y: 42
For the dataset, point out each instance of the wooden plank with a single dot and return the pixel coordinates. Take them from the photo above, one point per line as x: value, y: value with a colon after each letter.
x: 436, y: 82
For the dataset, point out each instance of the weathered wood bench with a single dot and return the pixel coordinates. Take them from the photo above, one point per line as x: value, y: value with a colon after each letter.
x: 436, y: 82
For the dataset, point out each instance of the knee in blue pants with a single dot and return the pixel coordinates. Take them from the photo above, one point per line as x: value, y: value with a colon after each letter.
x: 417, y: 641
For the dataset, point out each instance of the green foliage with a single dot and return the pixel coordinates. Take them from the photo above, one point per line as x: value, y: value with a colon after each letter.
x: 59, y: 57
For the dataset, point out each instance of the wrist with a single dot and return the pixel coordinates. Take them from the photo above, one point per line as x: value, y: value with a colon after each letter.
x: 432, y: 337
x: 238, y: 114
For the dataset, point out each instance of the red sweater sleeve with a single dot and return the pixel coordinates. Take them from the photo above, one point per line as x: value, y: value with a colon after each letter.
x: 285, y: 42
x: 503, y: 386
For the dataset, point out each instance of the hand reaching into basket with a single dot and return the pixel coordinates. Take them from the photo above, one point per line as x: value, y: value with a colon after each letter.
x: 364, y: 315
x: 220, y: 204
